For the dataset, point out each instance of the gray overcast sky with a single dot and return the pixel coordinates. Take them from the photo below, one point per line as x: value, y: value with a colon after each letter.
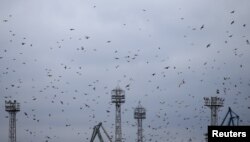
x: 60, y: 59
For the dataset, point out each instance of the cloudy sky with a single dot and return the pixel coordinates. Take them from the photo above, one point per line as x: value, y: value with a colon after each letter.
x: 60, y: 59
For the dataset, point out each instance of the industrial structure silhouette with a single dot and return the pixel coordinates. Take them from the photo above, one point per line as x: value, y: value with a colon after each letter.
x: 118, y: 97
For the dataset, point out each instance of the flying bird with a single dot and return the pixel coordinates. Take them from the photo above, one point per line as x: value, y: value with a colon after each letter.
x: 201, y: 27
x: 208, y: 45
x: 247, y: 41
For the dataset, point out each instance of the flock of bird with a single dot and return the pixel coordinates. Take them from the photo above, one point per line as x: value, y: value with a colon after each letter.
x: 69, y: 83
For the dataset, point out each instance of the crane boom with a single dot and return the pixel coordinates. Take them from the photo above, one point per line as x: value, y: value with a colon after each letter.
x: 232, y: 117
x: 106, y: 133
x: 96, y: 131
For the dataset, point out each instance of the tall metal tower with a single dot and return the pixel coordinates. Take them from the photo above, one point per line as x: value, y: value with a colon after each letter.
x: 12, y: 108
x: 214, y: 103
x: 118, y: 97
x: 139, y: 114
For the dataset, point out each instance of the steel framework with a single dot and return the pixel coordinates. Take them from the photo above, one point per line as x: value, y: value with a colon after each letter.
x: 214, y: 103
x: 118, y: 97
x: 231, y: 119
x: 139, y: 114
x: 12, y: 108
x: 96, y: 131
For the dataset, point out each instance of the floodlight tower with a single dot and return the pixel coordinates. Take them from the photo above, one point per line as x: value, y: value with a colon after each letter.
x: 214, y: 103
x: 139, y: 114
x: 118, y: 97
x: 12, y: 108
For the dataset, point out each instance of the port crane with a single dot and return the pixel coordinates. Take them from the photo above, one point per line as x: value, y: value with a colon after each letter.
x: 232, y: 117
x: 96, y: 131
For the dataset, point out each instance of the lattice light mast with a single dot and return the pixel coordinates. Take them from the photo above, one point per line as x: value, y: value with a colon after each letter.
x: 118, y: 97
x: 214, y: 103
x: 139, y: 114
x: 12, y: 108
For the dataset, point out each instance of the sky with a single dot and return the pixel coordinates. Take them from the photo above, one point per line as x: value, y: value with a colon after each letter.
x: 60, y: 60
